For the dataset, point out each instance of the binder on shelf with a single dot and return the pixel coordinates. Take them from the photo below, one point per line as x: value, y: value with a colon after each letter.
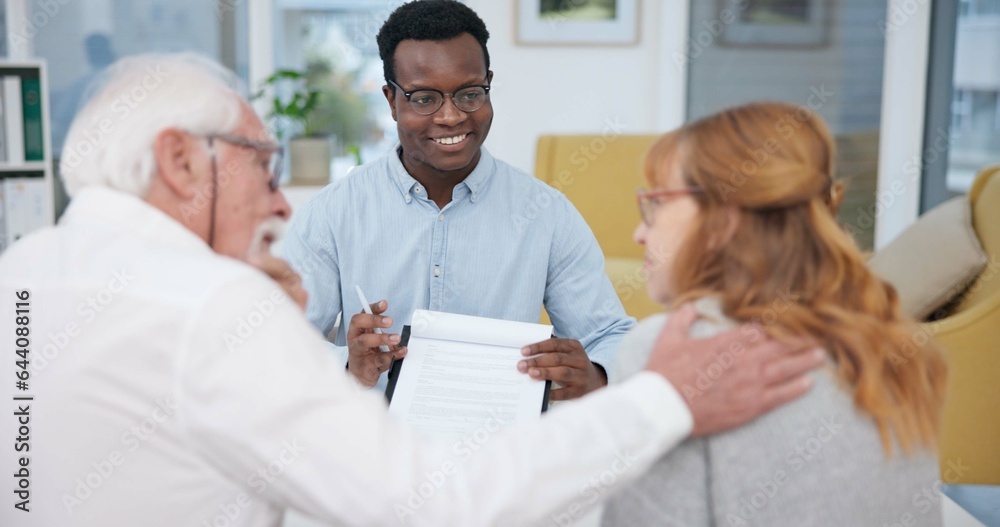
x: 3, y: 223
x: 13, y: 118
x: 31, y: 106
x: 24, y: 206
x: 3, y: 133
x: 26, y: 200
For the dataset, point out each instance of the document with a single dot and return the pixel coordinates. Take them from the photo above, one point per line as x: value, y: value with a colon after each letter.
x: 460, y: 374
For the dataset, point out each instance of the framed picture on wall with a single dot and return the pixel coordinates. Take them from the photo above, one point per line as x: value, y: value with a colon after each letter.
x: 792, y: 23
x: 577, y: 22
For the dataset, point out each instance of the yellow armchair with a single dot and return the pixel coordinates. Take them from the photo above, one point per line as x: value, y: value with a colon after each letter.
x: 970, y: 430
x: 599, y: 174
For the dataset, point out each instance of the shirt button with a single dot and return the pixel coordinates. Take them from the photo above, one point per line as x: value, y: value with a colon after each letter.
x: 418, y: 190
x: 437, y: 271
x: 440, y: 217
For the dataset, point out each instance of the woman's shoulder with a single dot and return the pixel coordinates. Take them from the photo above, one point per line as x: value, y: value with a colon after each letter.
x: 637, y: 344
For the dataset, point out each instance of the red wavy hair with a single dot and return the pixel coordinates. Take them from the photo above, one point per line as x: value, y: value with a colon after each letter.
x: 773, y: 163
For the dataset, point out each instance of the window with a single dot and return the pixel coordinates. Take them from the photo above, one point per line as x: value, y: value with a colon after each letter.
x: 975, y: 8
x: 961, y: 110
x: 829, y: 58
x: 975, y: 119
x: 333, y: 41
x: 84, y: 36
x: 78, y: 39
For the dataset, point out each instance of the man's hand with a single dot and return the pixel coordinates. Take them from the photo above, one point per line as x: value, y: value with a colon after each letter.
x: 281, y: 272
x: 733, y: 377
x: 563, y: 361
x: 365, y: 361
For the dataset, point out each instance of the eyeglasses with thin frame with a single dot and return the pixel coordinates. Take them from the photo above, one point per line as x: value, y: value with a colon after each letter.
x: 650, y: 200
x: 274, y: 159
x: 427, y: 101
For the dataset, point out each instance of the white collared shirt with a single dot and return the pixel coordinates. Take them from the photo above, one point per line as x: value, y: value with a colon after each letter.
x: 176, y: 387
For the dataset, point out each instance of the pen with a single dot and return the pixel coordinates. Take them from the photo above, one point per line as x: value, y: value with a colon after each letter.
x: 368, y: 309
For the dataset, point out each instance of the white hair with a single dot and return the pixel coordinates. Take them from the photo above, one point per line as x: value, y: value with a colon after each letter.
x: 110, y: 142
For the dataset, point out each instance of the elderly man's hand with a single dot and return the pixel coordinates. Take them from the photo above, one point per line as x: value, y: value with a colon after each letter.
x: 731, y: 378
x: 365, y: 360
x: 563, y: 361
x: 281, y: 272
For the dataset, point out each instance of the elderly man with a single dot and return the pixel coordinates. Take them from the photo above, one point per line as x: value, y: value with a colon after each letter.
x: 170, y: 382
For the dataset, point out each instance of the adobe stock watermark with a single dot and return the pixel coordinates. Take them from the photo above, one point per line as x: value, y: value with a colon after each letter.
x: 373, y: 23
x: 259, y: 480
x: 595, y: 488
x: 802, y: 453
x: 926, y: 332
x: 754, y: 330
x: 120, y: 108
x: 899, y: 14
x: 89, y: 309
x: 364, y: 32
x: 224, y: 8
x: 259, y: 313
x: 939, y: 146
x: 635, y: 282
x: 581, y: 159
x: 462, y: 451
x: 927, y: 500
x: 130, y: 441
x: 887, y: 197
x: 707, y: 33
x: 22, y: 31
x: 233, y: 169
x: 784, y: 129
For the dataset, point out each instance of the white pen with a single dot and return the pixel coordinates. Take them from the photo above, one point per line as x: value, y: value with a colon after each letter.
x: 368, y: 309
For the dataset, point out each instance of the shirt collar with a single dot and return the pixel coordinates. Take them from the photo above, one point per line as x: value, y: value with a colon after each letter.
x: 126, y: 212
x: 476, y: 182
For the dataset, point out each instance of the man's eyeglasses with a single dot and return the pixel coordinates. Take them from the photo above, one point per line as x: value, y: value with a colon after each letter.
x: 650, y: 200
x: 269, y: 151
x: 427, y: 101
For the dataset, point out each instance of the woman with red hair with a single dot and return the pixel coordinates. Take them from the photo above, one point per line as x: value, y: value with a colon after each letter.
x: 739, y: 227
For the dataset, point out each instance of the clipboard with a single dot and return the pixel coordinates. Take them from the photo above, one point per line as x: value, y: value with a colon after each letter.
x: 397, y: 365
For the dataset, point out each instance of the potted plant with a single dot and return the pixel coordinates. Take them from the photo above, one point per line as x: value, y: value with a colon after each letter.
x: 293, y: 105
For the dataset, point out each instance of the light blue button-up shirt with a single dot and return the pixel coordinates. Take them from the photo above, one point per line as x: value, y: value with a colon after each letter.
x: 505, y: 245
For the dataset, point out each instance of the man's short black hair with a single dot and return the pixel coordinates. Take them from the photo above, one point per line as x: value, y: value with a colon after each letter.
x: 428, y: 20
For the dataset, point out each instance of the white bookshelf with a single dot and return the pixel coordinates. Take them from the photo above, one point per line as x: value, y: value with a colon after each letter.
x: 27, y: 166
x: 42, y: 169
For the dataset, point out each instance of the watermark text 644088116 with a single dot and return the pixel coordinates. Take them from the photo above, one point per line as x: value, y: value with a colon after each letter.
x: 22, y: 399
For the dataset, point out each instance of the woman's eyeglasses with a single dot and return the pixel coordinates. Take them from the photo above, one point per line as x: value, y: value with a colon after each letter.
x: 650, y: 200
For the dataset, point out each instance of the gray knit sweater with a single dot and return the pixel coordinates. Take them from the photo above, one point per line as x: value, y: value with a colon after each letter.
x: 815, y: 461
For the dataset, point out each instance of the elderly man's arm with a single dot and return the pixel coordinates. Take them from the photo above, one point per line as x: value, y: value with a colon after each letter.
x: 277, y: 402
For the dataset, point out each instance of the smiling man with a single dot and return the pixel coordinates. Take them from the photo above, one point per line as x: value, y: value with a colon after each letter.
x: 435, y: 225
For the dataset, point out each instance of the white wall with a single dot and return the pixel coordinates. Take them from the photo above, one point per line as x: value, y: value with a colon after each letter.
x: 575, y: 89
